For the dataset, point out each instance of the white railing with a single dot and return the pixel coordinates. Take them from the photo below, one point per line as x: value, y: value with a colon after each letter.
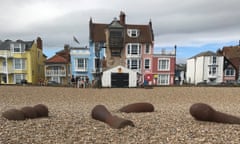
x: 4, y: 69
x: 81, y: 69
x: 95, y: 70
x: 55, y: 73
x: 6, y: 53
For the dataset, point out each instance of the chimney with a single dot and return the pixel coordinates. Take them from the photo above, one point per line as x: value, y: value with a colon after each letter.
x: 39, y: 43
x: 122, y: 18
x: 66, y: 47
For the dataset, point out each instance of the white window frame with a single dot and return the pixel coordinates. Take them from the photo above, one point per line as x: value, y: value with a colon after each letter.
x: 19, y: 77
x: 161, y: 66
x: 147, y: 47
x: 133, y: 49
x: 17, y: 48
x: 213, y: 60
x: 131, y: 64
x: 133, y: 33
x: 212, y: 70
x: 21, y: 65
x: 163, y: 79
x: 230, y: 70
x: 84, y: 64
x: 149, y: 64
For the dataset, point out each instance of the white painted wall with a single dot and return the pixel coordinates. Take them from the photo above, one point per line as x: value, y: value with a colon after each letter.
x: 198, y: 69
x: 106, y: 77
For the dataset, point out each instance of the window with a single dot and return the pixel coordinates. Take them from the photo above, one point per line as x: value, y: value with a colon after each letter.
x: 18, y: 48
x: 81, y: 64
x: 147, y: 49
x: 163, y: 64
x: 229, y: 72
x: 213, y: 60
x: 133, y: 32
x: 134, y: 49
x: 18, y: 78
x: 147, y: 63
x: 163, y: 79
x: 134, y: 63
x: 212, y: 70
x: 19, y: 64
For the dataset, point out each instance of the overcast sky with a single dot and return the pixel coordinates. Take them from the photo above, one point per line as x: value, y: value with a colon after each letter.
x: 192, y: 25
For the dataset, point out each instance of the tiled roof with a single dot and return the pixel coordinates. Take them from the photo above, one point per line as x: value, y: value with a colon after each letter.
x: 56, y: 59
x: 232, y: 53
x: 5, y: 45
x: 97, y: 32
x: 206, y: 53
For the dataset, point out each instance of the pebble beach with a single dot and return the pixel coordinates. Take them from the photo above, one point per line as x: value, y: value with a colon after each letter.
x: 70, y: 121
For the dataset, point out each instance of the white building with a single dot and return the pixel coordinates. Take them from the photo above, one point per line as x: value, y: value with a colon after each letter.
x: 205, y: 67
x: 119, y: 76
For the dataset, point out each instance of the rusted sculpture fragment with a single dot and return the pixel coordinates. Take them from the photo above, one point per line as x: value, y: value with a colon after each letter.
x: 29, y: 112
x: 13, y: 114
x: 137, y: 107
x: 101, y: 113
x: 26, y: 112
x: 204, y: 112
x: 42, y: 110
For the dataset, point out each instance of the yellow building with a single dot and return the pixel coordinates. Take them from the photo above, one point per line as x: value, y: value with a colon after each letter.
x: 21, y: 60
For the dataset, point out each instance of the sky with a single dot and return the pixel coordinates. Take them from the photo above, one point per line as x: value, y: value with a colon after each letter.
x: 193, y: 25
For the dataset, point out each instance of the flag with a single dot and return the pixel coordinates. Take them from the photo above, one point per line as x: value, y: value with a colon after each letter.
x: 75, y: 39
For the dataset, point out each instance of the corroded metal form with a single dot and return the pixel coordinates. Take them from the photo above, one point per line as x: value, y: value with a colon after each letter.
x: 100, y: 112
x: 204, y: 112
x: 137, y: 108
x: 26, y: 112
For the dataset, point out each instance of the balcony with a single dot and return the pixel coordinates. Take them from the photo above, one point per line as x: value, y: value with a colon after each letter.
x: 81, y: 69
x: 6, y: 54
x: 212, y: 76
x: 4, y: 69
x: 95, y: 70
x: 61, y: 73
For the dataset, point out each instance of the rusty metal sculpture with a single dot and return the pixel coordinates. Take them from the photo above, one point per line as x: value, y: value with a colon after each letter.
x: 137, y: 107
x: 204, y: 112
x: 29, y: 112
x: 14, y: 114
x: 101, y: 113
x: 26, y: 112
x: 42, y: 110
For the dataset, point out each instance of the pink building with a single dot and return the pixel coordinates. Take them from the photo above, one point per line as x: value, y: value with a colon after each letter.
x: 163, y: 68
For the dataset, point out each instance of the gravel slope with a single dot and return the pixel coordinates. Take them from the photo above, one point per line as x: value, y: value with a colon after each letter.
x: 70, y: 121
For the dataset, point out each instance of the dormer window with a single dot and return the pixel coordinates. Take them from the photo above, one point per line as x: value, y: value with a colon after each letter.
x: 18, y: 48
x: 133, y: 33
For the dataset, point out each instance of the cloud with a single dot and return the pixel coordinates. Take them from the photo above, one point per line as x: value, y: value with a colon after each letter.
x: 185, y: 23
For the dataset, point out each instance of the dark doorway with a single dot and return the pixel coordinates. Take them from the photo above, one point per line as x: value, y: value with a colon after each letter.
x: 120, y: 80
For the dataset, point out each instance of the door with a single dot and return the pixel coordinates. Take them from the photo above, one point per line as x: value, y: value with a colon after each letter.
x: 120, y: 80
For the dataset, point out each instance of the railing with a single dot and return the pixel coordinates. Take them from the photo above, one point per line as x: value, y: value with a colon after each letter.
x: 95, y: 70
x: 81, y: 69
x: 212, y: 75
x: 55, y: 73
x: 6, y: 54
x: 4, y: 69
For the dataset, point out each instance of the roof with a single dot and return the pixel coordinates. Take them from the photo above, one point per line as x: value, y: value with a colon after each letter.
x: 97, y: 32
x: 5, y: 45
x: 57, y: 59
x: 232, y: 53
x: 206, y: 53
